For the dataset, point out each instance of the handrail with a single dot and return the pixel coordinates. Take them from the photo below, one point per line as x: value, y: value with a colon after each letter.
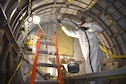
x: 112, y: 55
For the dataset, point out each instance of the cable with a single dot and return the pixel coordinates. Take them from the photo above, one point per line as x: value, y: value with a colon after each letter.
x: 9, y: 82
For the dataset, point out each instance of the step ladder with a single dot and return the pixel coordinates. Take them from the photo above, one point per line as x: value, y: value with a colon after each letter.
x: 35, y: 64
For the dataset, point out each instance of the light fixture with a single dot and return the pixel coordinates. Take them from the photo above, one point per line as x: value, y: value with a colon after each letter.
x: 36, y: 19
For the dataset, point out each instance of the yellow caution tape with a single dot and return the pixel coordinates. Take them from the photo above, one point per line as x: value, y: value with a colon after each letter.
x: 30, y: 72
x: 110, y: 54
x: 33, y: 57
x: 70, y: 1
x: 30, y: 43
x: 110, y: 20
x: 91, y: 5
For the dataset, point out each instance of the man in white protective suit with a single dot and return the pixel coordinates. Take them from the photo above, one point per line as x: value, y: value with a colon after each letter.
x: 88, y: 43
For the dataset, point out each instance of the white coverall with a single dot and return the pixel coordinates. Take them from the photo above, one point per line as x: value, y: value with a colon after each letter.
x: 95, y: 51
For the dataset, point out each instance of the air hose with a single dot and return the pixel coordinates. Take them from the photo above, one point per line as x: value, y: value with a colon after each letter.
x: 88, y: 44
x: 89, y: 51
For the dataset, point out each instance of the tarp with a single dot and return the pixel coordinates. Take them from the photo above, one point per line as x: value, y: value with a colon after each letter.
x: 65, y: 43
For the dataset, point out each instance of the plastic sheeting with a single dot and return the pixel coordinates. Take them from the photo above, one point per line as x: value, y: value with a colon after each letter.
x: 65, y: 43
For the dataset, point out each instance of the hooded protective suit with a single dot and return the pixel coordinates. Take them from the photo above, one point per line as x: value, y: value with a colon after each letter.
x: 95, y: 51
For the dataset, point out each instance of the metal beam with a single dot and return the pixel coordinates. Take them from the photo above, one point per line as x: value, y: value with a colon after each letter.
x: 110, y: 73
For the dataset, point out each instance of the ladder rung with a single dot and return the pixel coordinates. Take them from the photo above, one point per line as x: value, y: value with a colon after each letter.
x: 46, y: 52
x: 51, y: 53
x: 47, y: 43
x: 47, y: 65
x: 43, y: 52
x: 46, y: 82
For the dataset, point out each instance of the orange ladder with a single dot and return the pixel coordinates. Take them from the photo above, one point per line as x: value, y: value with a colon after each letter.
x: 58, y: 65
